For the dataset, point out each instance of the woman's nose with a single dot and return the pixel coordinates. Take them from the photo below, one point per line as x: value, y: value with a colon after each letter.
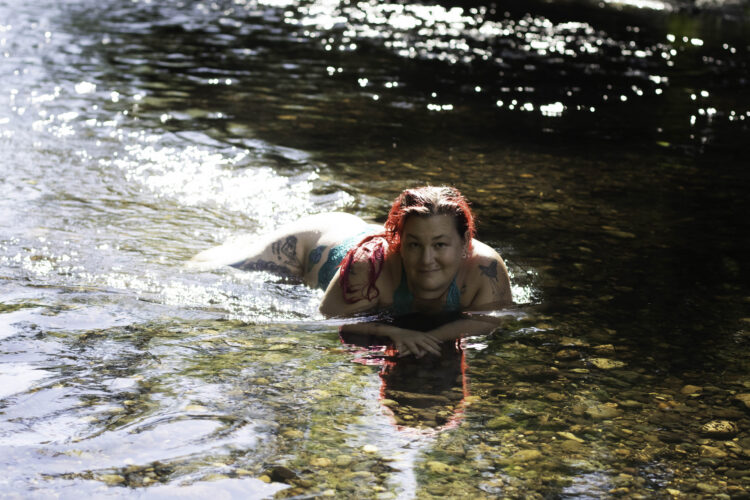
x: 427, y: 255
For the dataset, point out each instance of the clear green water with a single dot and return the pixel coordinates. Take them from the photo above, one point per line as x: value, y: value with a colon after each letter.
x: 603, y: 148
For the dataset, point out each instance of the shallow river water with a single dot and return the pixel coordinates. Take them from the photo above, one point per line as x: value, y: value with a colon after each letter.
x: 603, y: 146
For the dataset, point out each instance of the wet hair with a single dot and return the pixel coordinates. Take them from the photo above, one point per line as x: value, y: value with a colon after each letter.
x: 426, y: 201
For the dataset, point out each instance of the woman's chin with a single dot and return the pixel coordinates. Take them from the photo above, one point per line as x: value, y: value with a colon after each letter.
x: 430, y: 288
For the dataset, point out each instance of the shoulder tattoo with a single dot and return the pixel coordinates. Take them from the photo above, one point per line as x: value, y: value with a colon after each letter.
x: 490, y: 271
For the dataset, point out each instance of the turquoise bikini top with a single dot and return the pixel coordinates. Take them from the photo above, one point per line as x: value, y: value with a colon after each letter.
x: 337, y: 253
x: 403, y: 298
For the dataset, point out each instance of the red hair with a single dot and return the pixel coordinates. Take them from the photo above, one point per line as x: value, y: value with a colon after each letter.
x: 423, y: 201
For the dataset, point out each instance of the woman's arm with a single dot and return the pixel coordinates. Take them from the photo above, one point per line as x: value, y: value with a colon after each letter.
x: 337, y: 302
x: 409, y: 341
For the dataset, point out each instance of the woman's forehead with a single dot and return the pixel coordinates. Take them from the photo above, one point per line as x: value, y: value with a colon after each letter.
x: 430, y: 226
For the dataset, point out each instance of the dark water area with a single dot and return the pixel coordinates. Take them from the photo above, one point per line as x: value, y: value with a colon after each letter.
x: 603, y: 148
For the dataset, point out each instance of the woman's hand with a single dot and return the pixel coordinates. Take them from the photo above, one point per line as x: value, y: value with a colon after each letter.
x: 408, y: 341
x: 414, y: 342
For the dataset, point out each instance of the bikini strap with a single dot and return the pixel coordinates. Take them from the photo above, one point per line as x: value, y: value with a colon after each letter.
x: 453, y: 299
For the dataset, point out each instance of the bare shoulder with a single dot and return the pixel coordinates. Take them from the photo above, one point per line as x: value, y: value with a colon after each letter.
x: 488, y: 276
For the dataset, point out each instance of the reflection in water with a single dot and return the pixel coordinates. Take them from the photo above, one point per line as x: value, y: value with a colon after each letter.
x: 426, y: 394
x: 429, y: 392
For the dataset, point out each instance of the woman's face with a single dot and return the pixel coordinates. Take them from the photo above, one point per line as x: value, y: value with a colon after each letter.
x: 432, y: 251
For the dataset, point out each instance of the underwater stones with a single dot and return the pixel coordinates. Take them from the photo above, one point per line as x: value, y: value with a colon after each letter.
x: 572, y: 446
x: 112, y: 479
x: 707, y: 488
x: 604, y: 349
x: 567, y: 354
x: 743, y: 399
x: 215, y: 477
x: 606, y: 363
x: 321, y: 462
x: 280, y: 474
x: 438, y: 467
x: 442, y: 417
x: 572, y: 341
x: 719, y: 429
x: 555, y: 396
x: 293, y: 434
x: 671, y: 437
x: 534, y: 373
x: 708, y: 451
x: 691, y: 390
x: 501, y: 422
x: 522, y: 457
x: 618, y: 233
x: 630, y: 403
x: 595, y: 410
x: 570, y: 436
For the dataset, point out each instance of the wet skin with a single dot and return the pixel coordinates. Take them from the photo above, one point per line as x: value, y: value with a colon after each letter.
x: 432, y: 251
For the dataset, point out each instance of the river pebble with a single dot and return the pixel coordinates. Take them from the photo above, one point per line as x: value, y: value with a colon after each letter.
x: 743, y: 399
x: 439, y: 467
x: 523, y: 456
x: 603, y: 411
x: 606, y: 363
x: 691, y: 389
x: 112, y: 479
x: 720, y: 429
x: 712, y: 452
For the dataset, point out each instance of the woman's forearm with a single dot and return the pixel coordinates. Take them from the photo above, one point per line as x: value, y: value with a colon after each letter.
x: 449, y: 331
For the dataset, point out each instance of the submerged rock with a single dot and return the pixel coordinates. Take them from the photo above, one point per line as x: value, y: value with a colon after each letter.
x: 572, y: 446
x: 321, y: 462
x: 744, y: 400
x: 607, y: 349
x: 501, y: 422
x: 439, y: 467
x: 567, y: 354
x: 598, y: 411
x: 691, y: 389
x: 280, y: 474
x: 522, y: 456
x: 606, y: 363
x: 112, y: 479
x: 720, y: 429
x: 712, y: 452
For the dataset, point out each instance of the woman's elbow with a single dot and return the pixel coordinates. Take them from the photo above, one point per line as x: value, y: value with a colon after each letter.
x: 326, y: 309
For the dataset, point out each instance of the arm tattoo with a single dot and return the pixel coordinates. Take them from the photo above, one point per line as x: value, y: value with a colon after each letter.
x: 491, y: 272
x: 315, y: 254
x: 285, y: 250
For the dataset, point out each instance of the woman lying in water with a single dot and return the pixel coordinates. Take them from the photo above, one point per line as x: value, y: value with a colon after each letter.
x: 423, y: 259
